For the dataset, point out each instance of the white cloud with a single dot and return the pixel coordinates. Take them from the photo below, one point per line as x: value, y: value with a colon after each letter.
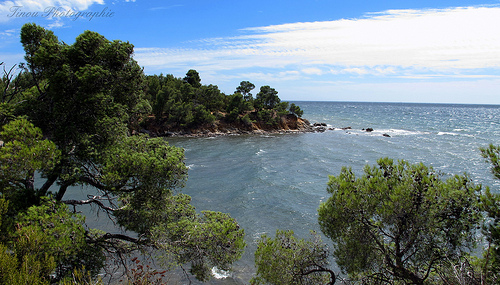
x: 312, y: 71
x: 484, y: 91
x: 439, y: 39
x: 9, y: 33
x: 450, y: 40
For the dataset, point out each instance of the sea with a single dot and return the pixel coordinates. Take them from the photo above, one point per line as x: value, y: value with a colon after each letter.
x: 277, y: 181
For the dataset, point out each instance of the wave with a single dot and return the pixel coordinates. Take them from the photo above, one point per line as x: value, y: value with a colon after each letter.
x: 454, y: 134
x: 191, y: 166
x: 394, y: 132
x: 447, y: 134
x: 260, y: 152
x: 219, y: 273
x: 402, y: 132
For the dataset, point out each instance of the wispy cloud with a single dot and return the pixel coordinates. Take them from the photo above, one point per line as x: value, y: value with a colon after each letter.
x: 390, y: 43
x: 9, y: 33
x: 165, y: 7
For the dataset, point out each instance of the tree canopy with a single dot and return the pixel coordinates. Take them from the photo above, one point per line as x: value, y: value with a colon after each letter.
x: 399, y: 221
x: 187, y: 104
x: 288, y: 260
x: 72, y: 126
x: 491, y: 205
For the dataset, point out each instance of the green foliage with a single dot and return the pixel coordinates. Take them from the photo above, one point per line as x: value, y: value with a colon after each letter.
x: 492, y: 154
x: 91, y: 89
x: 81, y: 277
x: 287, y: 260
x: 185, y: 103
x: 202, y: 116
x: 193, y: 78
x: 48, y: 243
x: 4, y: 232
x: 213, y: 239
x: 267, y: 116
x: 267, y: 98
x: 24, y: 152
x: 399, y: 221
x: 281, y: 108
x: 294, y: 109
x: 236, y: 106
x: 51, y: 229
x: 245, y: 88
x: 28, y: 270
x: 179, y: 104
x: 210, y: 97
x: 246, y: 120
x: 491, y: 205
x: 7, y: 113
x: 74, y: 130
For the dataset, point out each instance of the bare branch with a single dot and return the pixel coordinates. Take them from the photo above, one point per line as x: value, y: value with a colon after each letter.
x: 93, y: 199
x: 108, y: 236
x: 333, y: 278
x: 9, y: 91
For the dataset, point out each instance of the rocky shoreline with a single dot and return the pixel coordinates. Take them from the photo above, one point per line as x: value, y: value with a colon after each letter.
x: 289, y: 124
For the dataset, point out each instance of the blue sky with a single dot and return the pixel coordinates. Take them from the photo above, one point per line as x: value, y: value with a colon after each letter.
x: 381, y: 51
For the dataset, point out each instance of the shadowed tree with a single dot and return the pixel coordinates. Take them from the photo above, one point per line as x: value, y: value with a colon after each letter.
x: 288, y: 260
x: 399, y: 221
x: 244, y: 89
x: 193, y: 78
x: 88, y: 97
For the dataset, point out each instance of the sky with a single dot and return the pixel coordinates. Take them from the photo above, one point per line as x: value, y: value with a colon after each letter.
x: 322, y: 50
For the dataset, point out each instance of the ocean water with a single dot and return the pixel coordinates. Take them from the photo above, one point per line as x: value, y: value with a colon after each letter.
x: 270, y: 182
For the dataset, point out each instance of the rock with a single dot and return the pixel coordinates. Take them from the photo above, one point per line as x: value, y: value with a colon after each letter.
x: 319, y: 124
x: 369, y: 130
x: 144, y: 131
x: 386, y: 135
x: 346, y: 128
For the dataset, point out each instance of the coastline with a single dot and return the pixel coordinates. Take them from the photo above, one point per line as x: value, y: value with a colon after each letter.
x: 289, y: 124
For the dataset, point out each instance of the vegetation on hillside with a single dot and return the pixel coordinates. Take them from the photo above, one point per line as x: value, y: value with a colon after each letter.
x: 65, y: 122
x: 399, y: 223
x: 187, y: 104
x: 67, y: 118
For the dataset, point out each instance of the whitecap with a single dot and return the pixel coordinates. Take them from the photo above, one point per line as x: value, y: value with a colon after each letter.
x: 447, y: 133
x: 260, y: 152
x: 220, y: 274
x: 257, y: 236
x: 395, y: 132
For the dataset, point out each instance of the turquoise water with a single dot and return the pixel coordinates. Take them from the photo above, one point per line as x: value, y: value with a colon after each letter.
x: 277, y: 181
